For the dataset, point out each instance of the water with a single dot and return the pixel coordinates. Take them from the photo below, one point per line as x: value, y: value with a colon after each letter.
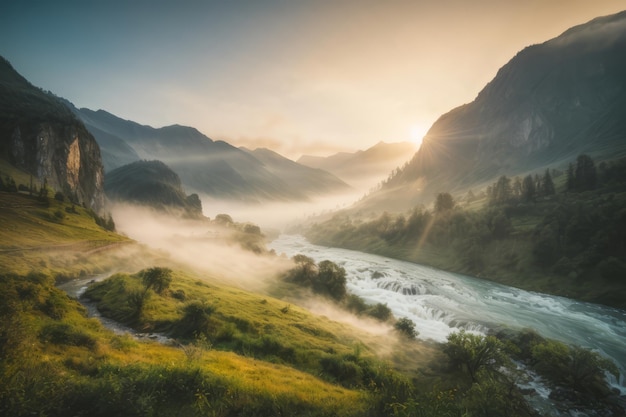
x: 76, y: 288
x: 441, y: 302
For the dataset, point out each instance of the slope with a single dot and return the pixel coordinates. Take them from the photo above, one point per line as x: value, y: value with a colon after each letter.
x: 551, y: 102
x: 150, y: 183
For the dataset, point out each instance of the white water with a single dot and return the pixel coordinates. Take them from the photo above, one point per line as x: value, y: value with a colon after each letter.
x: 441, y: 302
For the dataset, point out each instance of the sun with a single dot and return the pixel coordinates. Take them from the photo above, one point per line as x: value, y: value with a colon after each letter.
x: 417, y: 133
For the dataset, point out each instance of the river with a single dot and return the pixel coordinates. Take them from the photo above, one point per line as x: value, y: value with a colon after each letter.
x: 441, y: 302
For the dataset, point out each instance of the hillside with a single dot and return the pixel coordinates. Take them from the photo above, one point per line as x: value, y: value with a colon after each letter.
x: 566, y: 240
x: 40, y: 136
x: 363, y: 168
x: 315, y: 181
x: 153, y: 184
x: 548, y: 104
x: 207, y: 167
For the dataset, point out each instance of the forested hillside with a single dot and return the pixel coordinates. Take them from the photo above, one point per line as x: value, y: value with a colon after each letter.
x: 564, y: 236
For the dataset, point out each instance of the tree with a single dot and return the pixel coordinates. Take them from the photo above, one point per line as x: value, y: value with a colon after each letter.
x: 585, y: 174
x: 570, y: 184
x: 528, y: 189
x: 305, y: 270
x: 224, y: 220
x: 331, y: 280
x: 406, y: 327
x: 157, y: 279
x: 547, y: 185
x: 473, y: 352
x: 516, y: 190
x: 501, y: 191
x: 443, y: 202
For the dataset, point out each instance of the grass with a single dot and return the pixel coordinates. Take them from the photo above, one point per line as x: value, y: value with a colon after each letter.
x: 264, y: 357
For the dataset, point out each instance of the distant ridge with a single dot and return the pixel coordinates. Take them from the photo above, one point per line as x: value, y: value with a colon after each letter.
x: 207, y: 167
x: 153, y: 184
x: 363, y: 167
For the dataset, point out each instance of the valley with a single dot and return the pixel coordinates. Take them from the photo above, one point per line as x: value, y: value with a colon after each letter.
x: 155, y: 271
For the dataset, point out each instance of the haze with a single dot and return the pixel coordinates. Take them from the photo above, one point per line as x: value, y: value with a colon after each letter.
x: 308, y: 77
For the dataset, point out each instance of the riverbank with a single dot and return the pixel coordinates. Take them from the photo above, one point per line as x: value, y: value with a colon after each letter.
x: 571, y: 245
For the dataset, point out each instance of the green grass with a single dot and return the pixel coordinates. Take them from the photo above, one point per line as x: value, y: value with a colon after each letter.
x: 260, y: 356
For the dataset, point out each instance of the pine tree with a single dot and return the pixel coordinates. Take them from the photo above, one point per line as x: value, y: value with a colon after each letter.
x: 571, y: 181
x: 585, y: 174
x: 547, y: 186
x: 529, y: 190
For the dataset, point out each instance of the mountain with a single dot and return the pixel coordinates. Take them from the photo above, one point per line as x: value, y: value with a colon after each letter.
x: 550, y: 103
x: 150, y: 183
x: 215, y: 168
x: 366, y: 167
x: 316, y: 181
x: 39, y: 135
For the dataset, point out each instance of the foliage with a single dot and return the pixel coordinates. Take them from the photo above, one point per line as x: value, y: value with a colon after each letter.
x: 579, y: 369
x: 406, y: 327
x: 474, y: 353
x: 156, y: 278
x: 326, y: 278
x: 444, y: 202
x: 196, y: 319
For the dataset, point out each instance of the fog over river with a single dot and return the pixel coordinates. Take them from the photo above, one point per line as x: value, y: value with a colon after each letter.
x: 441, y: 302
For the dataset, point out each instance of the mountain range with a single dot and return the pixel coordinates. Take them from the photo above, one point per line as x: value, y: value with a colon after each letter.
x: 213, y: 168
x: 550, y: 103
x: 364, y: 168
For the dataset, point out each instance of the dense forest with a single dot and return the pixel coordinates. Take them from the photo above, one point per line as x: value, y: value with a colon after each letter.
x: 559, y: 232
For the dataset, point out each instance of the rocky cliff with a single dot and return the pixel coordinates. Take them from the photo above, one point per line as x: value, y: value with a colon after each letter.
x: 551, y: 102
x: 39, y: 135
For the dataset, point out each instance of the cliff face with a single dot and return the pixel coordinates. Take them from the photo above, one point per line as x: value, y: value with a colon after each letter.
x: 39, y: 135
x: 551, y: 102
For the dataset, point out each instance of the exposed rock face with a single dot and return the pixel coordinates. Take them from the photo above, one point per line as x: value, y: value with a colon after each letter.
x: 551, y: 102
x: 39, y: 135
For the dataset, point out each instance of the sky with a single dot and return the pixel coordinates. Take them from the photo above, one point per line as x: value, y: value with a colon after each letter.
x: 297, y: 76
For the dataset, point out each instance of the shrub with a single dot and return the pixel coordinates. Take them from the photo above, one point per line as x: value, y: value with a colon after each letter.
x: 406, y: 327
x: 573, y: 367
x: 157, y: 279
x: 380, y: 311
x: 473, y: 353
x: 196, y: 319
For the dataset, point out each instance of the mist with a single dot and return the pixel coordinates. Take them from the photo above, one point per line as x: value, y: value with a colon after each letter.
x: 199, y: 245
x: 276, y: 217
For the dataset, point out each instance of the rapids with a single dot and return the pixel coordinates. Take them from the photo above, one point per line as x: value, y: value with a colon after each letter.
x: 441, y: 302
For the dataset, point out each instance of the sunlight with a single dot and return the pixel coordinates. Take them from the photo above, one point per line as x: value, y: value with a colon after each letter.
x: 417, y: 133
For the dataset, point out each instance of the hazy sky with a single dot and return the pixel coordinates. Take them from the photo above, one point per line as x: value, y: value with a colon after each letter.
x: 298, y: 76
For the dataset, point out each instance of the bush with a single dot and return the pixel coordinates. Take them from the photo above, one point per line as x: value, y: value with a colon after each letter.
x: 196, y: 319
x: 157, y: 279
x: 473, y: 353
x: 406, y: 327
x: 379, y: 311
x: 574, y: 367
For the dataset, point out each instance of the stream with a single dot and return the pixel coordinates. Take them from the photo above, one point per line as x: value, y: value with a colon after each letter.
x: 441, y: 302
